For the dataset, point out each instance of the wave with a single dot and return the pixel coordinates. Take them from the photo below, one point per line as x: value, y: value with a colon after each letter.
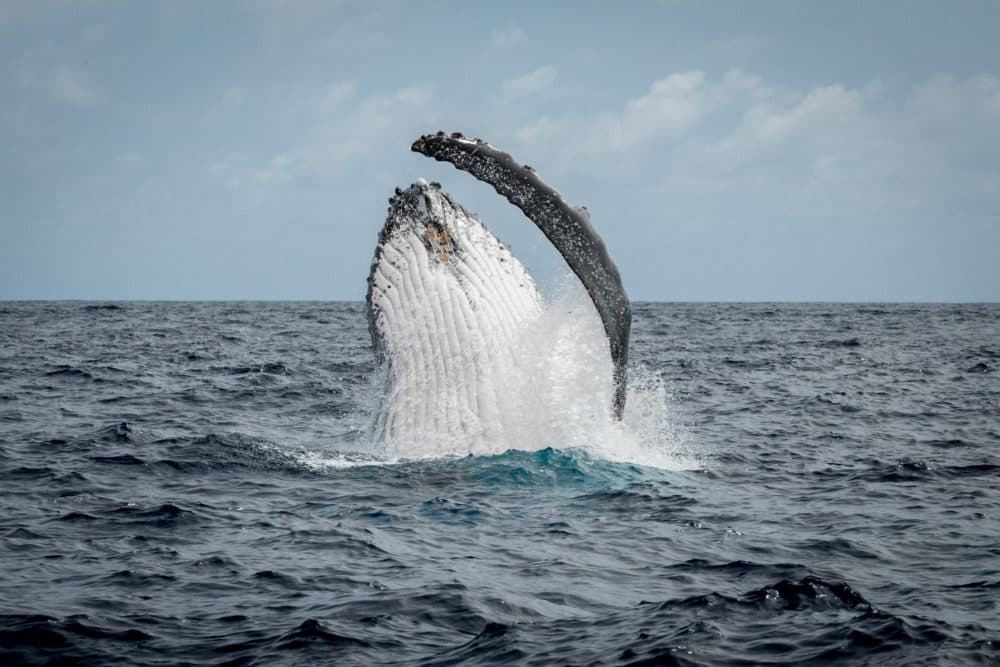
x: 908, y: 470
x: 98, y: 307
x: 547, y: 468
x: 64, y: 371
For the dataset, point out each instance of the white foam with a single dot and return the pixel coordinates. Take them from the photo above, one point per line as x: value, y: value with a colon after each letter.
x: 547, y: 383
x: 323, y: 461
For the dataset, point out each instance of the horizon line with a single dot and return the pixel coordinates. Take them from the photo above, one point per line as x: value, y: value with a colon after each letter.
x: 634, y: 301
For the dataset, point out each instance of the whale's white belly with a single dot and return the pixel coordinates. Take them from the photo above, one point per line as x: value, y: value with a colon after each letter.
x: 449, y: 302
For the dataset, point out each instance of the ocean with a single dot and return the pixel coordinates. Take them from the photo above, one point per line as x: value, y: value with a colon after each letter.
x: 198, y: 484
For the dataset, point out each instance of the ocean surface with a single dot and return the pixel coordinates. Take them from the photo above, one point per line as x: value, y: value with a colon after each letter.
x: 197, y: 484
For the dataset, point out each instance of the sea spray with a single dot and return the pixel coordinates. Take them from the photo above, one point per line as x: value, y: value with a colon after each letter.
x: 554, y: 389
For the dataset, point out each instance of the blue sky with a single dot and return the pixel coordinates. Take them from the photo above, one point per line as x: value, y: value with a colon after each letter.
x: 734, y: 151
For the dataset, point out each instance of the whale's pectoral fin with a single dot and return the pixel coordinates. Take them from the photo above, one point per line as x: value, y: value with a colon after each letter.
x: 567, y: 227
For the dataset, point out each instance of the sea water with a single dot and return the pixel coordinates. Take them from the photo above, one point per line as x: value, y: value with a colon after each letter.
x: 198, y: 483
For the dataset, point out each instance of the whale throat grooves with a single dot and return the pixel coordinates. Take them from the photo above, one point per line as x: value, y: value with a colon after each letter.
x: 567, y: 227
x: 446, y: 302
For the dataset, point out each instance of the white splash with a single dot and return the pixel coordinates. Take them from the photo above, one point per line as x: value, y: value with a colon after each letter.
x: 554, y: 388
x: 478, y: 363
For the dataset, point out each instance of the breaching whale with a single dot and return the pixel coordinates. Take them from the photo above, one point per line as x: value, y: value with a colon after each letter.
x: 446, y: 299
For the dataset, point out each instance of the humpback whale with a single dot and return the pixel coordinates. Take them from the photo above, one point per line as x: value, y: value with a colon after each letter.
x: 447, y: 300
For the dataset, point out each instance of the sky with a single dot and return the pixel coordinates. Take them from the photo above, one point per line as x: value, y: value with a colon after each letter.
x: 726, y: 151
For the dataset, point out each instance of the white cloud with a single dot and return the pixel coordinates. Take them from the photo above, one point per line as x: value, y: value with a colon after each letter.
x: 729, y: 145
x: 506, y: 38
x: 535, y: 81
x: 673, y: 105
x: 72, y: 85
x: 828, y: 150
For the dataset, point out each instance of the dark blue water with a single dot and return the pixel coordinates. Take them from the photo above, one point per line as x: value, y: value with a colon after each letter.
x: 176, y: 488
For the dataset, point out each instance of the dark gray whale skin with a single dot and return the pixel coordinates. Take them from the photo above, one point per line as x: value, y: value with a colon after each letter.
x: 567, y: 227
